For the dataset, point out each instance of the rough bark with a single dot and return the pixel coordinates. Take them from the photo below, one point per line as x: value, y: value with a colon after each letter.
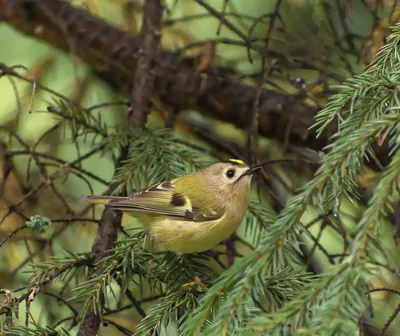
x: 113, y: 54
x: 142, y: 91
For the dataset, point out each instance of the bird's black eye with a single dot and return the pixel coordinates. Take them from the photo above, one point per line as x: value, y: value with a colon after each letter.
x: 230, y: 173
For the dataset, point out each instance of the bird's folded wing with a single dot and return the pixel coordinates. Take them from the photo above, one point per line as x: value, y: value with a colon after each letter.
x: 161, y: 199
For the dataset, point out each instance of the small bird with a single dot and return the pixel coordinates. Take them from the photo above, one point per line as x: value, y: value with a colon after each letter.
x: 192, y: 213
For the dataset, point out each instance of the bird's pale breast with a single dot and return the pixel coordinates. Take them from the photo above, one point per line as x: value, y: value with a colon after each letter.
x: 188, y: 236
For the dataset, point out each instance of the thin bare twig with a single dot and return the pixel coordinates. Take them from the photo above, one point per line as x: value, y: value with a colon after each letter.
x: 12, y: 234
x: 223, y: 20
x: 252, y: 132
x: 390, y: 320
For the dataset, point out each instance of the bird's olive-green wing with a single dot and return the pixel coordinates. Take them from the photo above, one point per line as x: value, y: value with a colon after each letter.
x: 163, y: 199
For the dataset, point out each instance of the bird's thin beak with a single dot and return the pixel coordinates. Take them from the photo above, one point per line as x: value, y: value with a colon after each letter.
x: 251, y: 171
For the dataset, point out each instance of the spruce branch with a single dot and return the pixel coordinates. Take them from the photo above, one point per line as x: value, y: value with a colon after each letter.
x: 390, y: 320
x: 277, y: 250
x: 142, y: 90
x: 367, y: 227
x: 47, y: 273
x: 120, y: 263
x: 59, y: 268
x: 106, y: 236
x: 154, y: 156
x: 37, y: 330
x: 177, y: 304
x: 259, y: 217
x: 334, y: 180
x: 81, y: 121
x: 166, y: 311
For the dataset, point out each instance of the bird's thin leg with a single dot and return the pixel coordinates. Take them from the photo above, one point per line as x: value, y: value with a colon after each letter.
x: 196, y: 279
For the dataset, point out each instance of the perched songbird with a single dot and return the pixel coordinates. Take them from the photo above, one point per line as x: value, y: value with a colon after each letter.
x: 192, y: 213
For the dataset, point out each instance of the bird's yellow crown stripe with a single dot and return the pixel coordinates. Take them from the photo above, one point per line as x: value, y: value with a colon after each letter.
x: 237, y: 161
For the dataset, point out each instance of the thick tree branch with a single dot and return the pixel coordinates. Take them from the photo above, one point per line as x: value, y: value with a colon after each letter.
x: 144, y: 78
x: 113, y: 54
x: 106, y: 236
x: 141, y: 93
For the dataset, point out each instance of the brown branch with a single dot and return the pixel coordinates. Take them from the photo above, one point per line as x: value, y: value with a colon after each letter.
x: 7, y: 166
x: 66, y: 164
x: 383, y: 289
x: 144, y: 300
x: 106, y: 236
x: 390, y: 320
x: 390, y: 269
x: 112, y: 54
x: 141, y: 93
x: 107, y: 233
x: 223, y: 20
x: 253, y: 129
x: 120, y: 328
x: 36, y: 287
x: 396, y: 235
x: 132, y: 299
x: 12, y: 234
x: 48, y: 179
x: 150, y: 34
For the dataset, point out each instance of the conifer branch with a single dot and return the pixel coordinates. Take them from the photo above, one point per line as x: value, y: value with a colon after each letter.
x: 367, y: 117
x: 106, y: 236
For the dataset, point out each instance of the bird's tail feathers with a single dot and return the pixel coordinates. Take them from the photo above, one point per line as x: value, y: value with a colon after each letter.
x: 102, y: 199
